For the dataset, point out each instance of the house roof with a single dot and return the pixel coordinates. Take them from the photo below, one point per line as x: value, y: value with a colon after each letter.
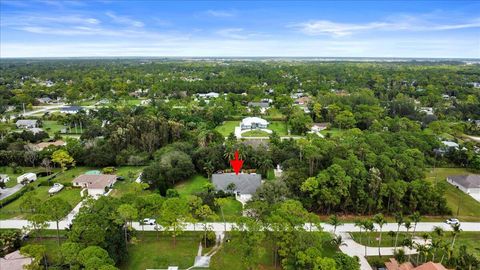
x: 244, y: 183
x: 26, y: 122
x: 250, y: 120
x: 14, y: 261
x: 450, y: 144
x: 92, y: 181
x: 431, y: 266
x: 394, y: 265
x: 466, y: 181
x: 259, y: 104
x: 42, y: 145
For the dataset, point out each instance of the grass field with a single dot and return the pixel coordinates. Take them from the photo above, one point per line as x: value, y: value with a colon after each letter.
x: 255, y: 133
x: 192, y: 186
x: 20, y: 170
x: 227, y: 127
x: 150, y: 253
x: 52, y: 127
x: 469, y: 208
x: 12, y: 210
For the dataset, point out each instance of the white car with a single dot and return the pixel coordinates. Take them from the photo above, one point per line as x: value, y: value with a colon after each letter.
x: 56, y: 188
x: 149, y: 221
x: 452, y: 221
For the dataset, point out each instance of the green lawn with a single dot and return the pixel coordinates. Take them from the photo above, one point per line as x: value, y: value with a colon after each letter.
x: 192, y: 186
x: 150, y: 253
x: 128, y: 185
x: 12, y: 210
x: 232, y: 210
x: 469, y: 239
x: 469, y: 207
x: 334, y: 132
x: 52, y: 127
x: 227, y: 127
x: 279, y: 127
x: 20, y: 170
x: 255, y: 133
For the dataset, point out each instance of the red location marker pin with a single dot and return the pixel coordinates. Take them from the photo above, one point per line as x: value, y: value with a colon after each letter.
x: 236, y: 163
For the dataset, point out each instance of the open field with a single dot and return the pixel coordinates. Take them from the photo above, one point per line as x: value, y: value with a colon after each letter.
x: 229, y: 126
x: 148, y: 252
x: 469, y: 209
x: 12, y: 210
x: 19, y: 171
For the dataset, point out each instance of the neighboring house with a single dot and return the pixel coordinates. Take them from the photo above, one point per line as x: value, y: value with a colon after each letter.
x: 244, y: 184
x: 43, y: 145
x: 317, y: 127
x: 209, y: 95
x: 469, y: 184
x: 304, y: 100
x: 426, y: 110
x: 26, y: 123
x: 476, y: 84
x: 253, y: 123
x: 45, y: 100
x: 264, y: 106
x: 14, y: 261
x: 4, y: 178
x: 71, y: 109
x: 451, y: 145
x: 95, y: 185
x: 393, y: 264
x: 30, y: 177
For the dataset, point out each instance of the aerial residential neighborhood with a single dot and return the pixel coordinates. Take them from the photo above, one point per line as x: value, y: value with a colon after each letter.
x: 239, y: 135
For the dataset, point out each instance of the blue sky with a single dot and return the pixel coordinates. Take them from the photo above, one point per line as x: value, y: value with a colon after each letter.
x: 48, y: 28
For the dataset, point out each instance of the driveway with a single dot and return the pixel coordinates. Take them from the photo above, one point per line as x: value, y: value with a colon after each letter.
x: 9, y: 191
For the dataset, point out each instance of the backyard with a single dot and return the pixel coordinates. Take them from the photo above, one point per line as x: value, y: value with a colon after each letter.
x: 229, y: 126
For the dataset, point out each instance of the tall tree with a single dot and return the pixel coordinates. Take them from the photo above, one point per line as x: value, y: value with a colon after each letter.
x: 380, y: 220
x: 56, y: 209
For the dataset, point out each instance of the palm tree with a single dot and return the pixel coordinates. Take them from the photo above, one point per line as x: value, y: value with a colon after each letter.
x: 438, y: 231
x: 425, y: 237
x: 408, y: 226
x: 380, y: 220
x: 335, y: 222
x: 368, y: 226
x: 337, y: 241
x: 359, y: 224
x: 434, y: 246
x: 392, y: 235
x: 415, y: 218
x: 455, y: 232
x: 407, y: 242
x: 399, y: 220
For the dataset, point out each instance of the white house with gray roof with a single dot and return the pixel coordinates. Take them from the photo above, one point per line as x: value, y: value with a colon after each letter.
x: 27, y: 123
x: 244, y: 185
x: 469, y: 184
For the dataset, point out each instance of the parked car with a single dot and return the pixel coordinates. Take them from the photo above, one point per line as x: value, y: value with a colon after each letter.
x: 452, y: 221
x: 56, y: 188
x: 149, y: 221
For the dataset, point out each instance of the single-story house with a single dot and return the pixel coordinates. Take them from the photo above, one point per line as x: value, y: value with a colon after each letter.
x: 45, y: 100
x: 253, y: 123
x: 304, y: 100
x: 469, y: 184
x: 426, y: 110
x: 451, y: 145
x: 30, y: 177
x: 393, y: 264
x: 264, y: 106
x: 43, y: 145
x: 244, y: 185
x: 95, y: 184
x: 25, y: 123
x: 317, y: 127
x: 71, y: 109
x: 209, y: 95
x: 4, y: 178
x: 14, y: 261
x: 475, y: 84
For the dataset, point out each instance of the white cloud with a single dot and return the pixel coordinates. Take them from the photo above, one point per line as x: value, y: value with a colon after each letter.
x: 403, y: 23
x: 124, y: 20
x: 220, y: 13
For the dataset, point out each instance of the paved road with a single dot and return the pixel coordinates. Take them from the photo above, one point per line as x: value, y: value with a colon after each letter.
x: 9, y: 191
x: 42, y: 109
